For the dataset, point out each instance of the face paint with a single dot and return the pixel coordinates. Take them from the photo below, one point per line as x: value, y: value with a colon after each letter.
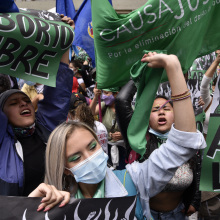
x: 160, y: 107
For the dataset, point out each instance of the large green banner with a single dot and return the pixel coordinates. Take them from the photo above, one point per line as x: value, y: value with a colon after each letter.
x: 188, y: 29
x: 210, y: 176
x: 31, y: 47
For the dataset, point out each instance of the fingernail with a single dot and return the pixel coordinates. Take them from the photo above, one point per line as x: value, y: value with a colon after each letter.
x: 40, y: 207
x: 46, y: 209
x: 62, y: 204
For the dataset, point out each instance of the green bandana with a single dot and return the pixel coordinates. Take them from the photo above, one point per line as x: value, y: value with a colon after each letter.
x: 116, y: 89
x: 147, y: 81
x: 100, y: 192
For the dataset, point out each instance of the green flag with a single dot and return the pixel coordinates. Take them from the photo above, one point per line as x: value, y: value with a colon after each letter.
x: 188, y: 29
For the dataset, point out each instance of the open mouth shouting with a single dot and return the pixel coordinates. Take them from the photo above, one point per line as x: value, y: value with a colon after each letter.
x: 162, y: 121
x: 26, y: 112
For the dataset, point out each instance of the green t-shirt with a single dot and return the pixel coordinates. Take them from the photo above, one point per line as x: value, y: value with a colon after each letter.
x: 100, y: 192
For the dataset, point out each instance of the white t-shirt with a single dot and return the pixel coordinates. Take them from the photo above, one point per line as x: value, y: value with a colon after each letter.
x: 80, y: 81
x: 102, y: 134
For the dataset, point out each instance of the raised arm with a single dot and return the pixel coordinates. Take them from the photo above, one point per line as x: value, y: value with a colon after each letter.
x: 151, y: 176
x: 204, y: 88
x: 183, y: 111
x: 53, y: 109
x: 93, y: 105
x: 211, y: 70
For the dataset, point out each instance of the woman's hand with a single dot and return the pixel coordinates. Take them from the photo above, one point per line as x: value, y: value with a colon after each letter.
x: 116, y: 136
x: 155, y: 60
x: 97, y: 92
x: 68, y: 20
x: 51, y: 195
x: 201, y: 102
x: 190, y: 211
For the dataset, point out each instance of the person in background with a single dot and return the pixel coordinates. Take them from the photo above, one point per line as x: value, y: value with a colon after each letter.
x: 13, y: 81
x: 4, y: 83
x: 115, y: 139
x: 34, y: 91
x: 205, y: 90
x: 75, y: 66
x: 210, y: 208
x: 80, y: 111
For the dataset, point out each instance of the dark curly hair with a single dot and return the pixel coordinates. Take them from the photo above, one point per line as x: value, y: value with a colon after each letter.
x: 4, y: 83
x: 84, y: 114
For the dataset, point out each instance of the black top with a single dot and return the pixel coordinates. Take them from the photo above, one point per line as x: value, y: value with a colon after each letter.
x: 34, y: 162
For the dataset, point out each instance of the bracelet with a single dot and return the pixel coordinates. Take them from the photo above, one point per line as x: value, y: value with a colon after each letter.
x: 174, y: 96
x: 183, y: 97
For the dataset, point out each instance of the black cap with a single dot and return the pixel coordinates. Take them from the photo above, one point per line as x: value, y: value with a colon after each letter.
x: 76, y: 100
x: 4, y: 96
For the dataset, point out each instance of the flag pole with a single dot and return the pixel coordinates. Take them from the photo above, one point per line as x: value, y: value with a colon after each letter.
x: 100, y: 109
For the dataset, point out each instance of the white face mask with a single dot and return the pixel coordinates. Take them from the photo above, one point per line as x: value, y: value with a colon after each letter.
x: 158, y: 134
x: 92, y: 170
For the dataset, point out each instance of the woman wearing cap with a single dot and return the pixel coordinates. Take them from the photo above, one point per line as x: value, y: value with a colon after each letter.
x: 80, y: 111
x: 23, y: 134
x: 76, y: 162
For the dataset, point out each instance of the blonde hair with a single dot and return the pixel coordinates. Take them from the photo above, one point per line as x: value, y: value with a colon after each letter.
x: 55, y: 155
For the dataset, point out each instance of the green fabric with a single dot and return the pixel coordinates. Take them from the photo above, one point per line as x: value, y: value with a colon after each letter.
x: 147, y: 81
x: 116, y: 89
x: 217, y: 110
x: 100, y: 192
x: 30, y: 52
x: 187, y: 29
x: 200, y: 118
x: 82, y: 55
x: 209, y: 180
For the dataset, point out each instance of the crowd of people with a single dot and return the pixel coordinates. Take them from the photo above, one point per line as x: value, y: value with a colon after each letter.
x: 71, y: 141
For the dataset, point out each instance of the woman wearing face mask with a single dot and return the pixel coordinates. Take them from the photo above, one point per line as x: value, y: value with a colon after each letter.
x: 108, y: 111
x: 75, y: 161
x: 115, y: 144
